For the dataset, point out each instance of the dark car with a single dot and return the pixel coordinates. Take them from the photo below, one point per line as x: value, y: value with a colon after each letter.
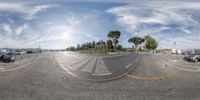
x: 194, y: 56
x: 30, y: 51
x: 1, y: 57
x: 9, y: 57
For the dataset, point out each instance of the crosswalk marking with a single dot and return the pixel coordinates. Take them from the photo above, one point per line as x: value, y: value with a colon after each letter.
x: 101, y: 68
x: 79, y: 64
x: 95, y: 66
x: 90, y: 65
x: 65, y: 59
x: 1, y: 68
x: 136, y: 59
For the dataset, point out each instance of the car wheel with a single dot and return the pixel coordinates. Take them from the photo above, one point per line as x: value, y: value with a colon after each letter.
x: 196, y: 60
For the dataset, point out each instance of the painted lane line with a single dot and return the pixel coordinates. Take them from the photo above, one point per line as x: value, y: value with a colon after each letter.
x: 1, y: 68
x: 137, y: 58
x: 78, y: 65
x: 184, y: 69
x: 101, y: 67
x: 89, y: 66
x: 128, y: 66
x: 6, y: 70
x: 95, y: 80
x: 153, y: 78
x: 98, y: 67
x: 67, y: 59
x: 117, y: 55
x: 104, y: 68
x: 76, y: 61
x: 71, y: 63
x: 65, y: 69
x: 101, y: 74
x: 131, y: 63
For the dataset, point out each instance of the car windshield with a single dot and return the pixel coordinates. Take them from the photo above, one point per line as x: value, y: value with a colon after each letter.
x: 195, y: 52
x: 9, y: 54
x: 99, y: 49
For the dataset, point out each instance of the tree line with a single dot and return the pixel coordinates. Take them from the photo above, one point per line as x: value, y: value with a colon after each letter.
x: 150, y: 42
x: 112, y: 43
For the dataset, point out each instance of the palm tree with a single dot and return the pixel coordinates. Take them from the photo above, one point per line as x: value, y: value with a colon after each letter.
x: 114, y: 35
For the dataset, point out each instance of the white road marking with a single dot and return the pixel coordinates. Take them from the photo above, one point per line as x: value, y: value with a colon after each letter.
x: 66, y: 58
x: 69, y: 60
x: 1, y: 68
x: 65, y: 69
x: 117, y: 55
x: 16, y: 68
x: 100, y: 74
x: 174, y: 60
x: 61, y: 59
x: 78, y: 65
x: 89, y: 66
x: 101, y: 68
x: 72, y: 62
x: 184, y: 69
x: 137, y: 58
x: 129, y: 65
x: 6, y: 70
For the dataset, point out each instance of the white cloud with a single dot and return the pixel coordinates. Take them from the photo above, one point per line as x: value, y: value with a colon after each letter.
x: 49, y: 34
x: 7, y: 29
x: 36, y: 9
x: 166, y: 20
x: 153, y: 13
x: 10, y: 20
x: 72, y: 20
x: 20, y: 29
x: 11, y: 7
x: 28, y: 10
x: 10, y: 31
x: 94, y: 38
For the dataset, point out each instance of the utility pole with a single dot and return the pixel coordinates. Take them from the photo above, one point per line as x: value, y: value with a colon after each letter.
x: 174, y: 44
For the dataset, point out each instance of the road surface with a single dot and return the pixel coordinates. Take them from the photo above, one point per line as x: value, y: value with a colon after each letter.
x: 48, y: 77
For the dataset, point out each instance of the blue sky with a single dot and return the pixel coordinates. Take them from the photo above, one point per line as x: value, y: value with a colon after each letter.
x: 58, y: 23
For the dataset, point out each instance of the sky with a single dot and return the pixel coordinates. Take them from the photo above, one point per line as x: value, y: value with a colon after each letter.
x: 57, y: 24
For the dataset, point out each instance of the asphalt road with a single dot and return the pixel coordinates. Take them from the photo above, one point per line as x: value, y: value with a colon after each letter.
x: 58, y: 76
x: 97, y: 68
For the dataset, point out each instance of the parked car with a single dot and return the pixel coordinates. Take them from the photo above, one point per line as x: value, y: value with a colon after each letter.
x: 18, y: 52
x: 174, y: 51
x: 194, y: 56
x: 1, y: 57
x: 30, y: 51
x: 9, y: 57
x: 179, y: 51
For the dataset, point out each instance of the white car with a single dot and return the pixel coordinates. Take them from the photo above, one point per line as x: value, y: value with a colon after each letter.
x: 18, y: 52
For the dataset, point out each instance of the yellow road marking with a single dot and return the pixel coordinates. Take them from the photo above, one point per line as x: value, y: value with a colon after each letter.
x: 154, y: 78
x: 95, y: 80
x: 101, y: 80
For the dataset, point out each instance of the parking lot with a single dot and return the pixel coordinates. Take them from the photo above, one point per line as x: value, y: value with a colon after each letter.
x: 179, y: 62
x: 53, y: 76
x: 20, y: 61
